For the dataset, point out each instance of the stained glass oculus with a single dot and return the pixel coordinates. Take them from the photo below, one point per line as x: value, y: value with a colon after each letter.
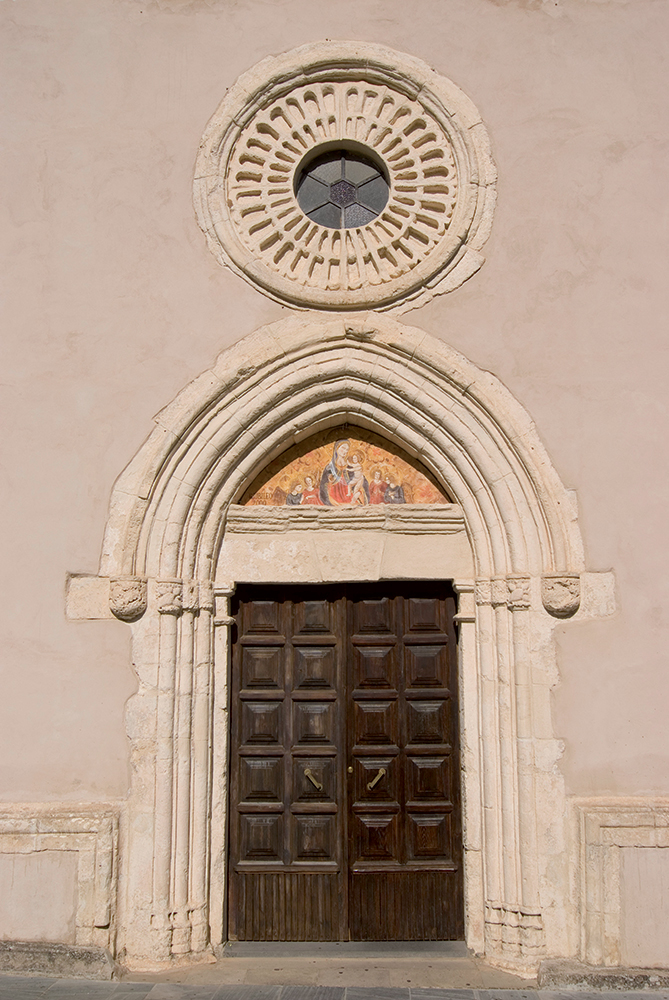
x: 342, y: 190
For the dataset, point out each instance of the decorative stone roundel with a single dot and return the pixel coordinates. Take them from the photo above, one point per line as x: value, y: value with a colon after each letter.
x: 346, y: 176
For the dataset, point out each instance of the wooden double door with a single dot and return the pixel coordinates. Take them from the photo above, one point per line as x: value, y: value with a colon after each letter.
x: 345, y: 816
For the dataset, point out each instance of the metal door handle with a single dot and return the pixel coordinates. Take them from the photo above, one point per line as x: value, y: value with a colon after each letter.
x: 376, y: 780
x: 314, y: 782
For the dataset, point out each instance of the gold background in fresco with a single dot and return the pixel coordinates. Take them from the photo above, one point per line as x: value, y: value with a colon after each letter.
x: 312, y: 456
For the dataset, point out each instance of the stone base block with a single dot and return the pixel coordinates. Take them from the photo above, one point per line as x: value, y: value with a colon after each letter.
x: 566, y: 974
x: 44, y: 958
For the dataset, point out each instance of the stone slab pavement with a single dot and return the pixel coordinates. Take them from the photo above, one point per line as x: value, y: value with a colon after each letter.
x: 425, y: 965
x: 37, y: 988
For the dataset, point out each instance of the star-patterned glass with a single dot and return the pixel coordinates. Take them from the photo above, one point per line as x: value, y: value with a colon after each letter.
x: 342, y: 190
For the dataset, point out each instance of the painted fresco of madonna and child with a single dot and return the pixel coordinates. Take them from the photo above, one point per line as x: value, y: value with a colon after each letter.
x: 345, y: 472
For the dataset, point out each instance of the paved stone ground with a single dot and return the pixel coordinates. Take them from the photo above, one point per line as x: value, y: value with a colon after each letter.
x: 378, y: 966
x: 35, y: 988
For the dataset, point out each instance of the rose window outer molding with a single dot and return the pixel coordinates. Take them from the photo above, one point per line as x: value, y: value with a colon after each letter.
x: 364, y: 102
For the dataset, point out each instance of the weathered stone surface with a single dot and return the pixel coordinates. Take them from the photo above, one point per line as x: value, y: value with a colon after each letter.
x: 86, y: 836
x: 556, y: 974
x: 48, y: 959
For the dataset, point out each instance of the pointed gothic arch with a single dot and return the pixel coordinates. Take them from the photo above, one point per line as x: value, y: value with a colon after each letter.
x: 167, y: 523
x: 286, y: 381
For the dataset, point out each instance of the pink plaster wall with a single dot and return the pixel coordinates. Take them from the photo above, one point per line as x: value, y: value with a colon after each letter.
x: 112, y: 303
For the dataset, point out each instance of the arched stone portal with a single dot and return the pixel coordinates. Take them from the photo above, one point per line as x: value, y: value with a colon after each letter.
x: 511, y: 545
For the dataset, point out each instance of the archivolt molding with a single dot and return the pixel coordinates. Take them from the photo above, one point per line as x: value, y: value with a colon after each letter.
x: 427, y: 136
x: 289, y: 380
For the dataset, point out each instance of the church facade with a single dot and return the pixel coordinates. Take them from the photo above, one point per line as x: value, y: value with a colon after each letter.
x: 374, y: 647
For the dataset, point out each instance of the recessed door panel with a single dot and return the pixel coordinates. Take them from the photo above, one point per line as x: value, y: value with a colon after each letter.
x: 314, y: 723
x: 428, y: 779
x: 261, y: 837
x: 374, y: 616
x: 427, y: 722
x: 261, y: 723
x: 377, y: 838
x: 261, y: 617
x: 376, y: 723
x: 424, y: 614
x: 314, y: 838
x: 260, y: 779
x: 315, y: 668
x: 426, y: 666
x: 315, y: 780
x: 375, y: 668
x: 261, y: 668
x: 376, y: 780
x: 313, y: 617
x: 429, y: 837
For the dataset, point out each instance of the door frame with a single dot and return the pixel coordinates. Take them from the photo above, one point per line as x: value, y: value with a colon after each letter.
x: 387, y: 539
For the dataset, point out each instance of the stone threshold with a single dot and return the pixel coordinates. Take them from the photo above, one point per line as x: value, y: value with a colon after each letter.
x: 343, y: 949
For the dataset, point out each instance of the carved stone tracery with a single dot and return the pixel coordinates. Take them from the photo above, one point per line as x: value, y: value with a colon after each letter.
x: 415, y: 150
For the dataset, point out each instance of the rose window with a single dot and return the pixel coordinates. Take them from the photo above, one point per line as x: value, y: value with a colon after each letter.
x: 346, y: 176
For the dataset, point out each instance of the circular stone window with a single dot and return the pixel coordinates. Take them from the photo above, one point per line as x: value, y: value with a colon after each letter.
x: 341, y: 190
x: 346, y: 176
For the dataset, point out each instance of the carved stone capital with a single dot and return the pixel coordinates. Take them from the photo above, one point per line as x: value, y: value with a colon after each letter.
x: 512, y: 591
x: 206, y: 595
x: 127, y: 597
x: 224, y: 620
x: 169, y: 597
x: 518, y: 592
x: 222, y: 615
x: 561, y: 594
x: 190, y: 596
x: 499, y: 593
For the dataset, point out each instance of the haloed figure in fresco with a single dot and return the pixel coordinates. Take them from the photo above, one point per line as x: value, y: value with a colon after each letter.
x: 394, y: 492
x: 311, y: 494
x: 358, y: 488
x: 377, y: 488
x: 343, y: 482
x: 296, y: 495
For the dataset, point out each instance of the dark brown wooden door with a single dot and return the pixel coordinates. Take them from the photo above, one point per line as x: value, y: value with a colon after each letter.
x: 345, y: 813
x: 404, y: 816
